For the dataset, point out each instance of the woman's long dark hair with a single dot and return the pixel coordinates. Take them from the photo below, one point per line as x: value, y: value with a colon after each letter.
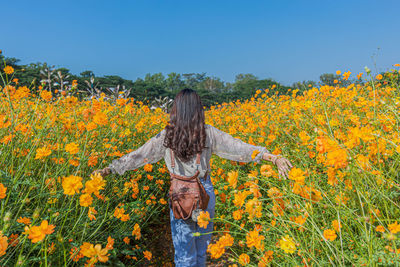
x: 185, y: 133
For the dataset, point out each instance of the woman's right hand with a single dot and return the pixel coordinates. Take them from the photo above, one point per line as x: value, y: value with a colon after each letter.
x: 281, y: 163
x: 103, y: 172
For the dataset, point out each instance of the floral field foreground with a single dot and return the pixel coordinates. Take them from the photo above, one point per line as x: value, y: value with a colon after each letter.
x: 339, y: 206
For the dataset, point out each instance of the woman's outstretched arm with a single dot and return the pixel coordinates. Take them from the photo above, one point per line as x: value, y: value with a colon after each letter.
x: 226, y: 146
x: 151, y: 152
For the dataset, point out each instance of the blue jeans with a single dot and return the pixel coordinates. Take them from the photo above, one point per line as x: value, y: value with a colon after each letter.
x: 192, y: 250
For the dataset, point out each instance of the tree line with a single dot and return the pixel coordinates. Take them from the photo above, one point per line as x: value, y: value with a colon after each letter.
x: 212, y: 90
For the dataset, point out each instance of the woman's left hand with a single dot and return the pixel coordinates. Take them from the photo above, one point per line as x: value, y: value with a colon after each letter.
x: 283, y: 166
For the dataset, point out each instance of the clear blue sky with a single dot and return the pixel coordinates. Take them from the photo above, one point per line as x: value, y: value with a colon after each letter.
x: 287, y: 41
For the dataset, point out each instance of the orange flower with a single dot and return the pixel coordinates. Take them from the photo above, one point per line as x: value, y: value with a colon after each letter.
x: 14, y: 240
x: 3, y: 190
x: 95, y: 184
x: 216, y: 250
x: 237, y: 214
x: 101, y: 254
x: 75, y: 254
x: 147, y: 254
x: 8, y: 70
x: 379, y: 77
x: 253, y: 239
x: 38, y: 233
x: 72, y: 148
x: 203, y: 219
x: 85, y: 200
x: 91, y: 213
x: 126, y: 240
x: 46, y: 95
x: 136, y: 231
x: 87, y: 250
x: 72, y: 184
x: 380, y: 228
x: 240, y: 198
x: 264, y: 261
x: 148, y: 167
x: 42, y: 152
x: 244, y: 259
x: 266, y: 170
x: 336, y: 225
x: 394, y: 227
x: 3, y: 244
x: 119, y: 212
x: 24, y: 220
x: 330, y: 234
x: 297, y: 175
x: 233, y: 178
x: 110, y: 243
x: 226, y: 240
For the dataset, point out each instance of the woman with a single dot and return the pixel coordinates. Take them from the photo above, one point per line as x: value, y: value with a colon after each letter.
x: 187, y: 134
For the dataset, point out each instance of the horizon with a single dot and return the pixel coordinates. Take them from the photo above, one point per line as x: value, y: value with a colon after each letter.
x: 221, y: 39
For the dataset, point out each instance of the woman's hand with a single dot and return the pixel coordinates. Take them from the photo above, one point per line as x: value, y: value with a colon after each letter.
x: 103, y: 172
x: 281, y: 163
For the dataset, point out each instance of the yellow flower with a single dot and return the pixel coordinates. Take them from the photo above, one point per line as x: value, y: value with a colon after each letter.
x: 95, y: 184
x: 8, y: 70
x: 244, y: 259
x: 240, y: 197
x: 72, y: 148
x: 287, y: 244
x: 216, y: 250
x: 346, y: 75
x: 394, y: 227
x: 226, y: 240
x: 3, y: 190
x: 46, y: 95
x: 336, y: 225
x: 338, y: 72
x: 42, y: 152
x: 72, y: 184
x: 380, y: 228
x: 101, y: 254
x: 237, y: 214
x: 330, y: 234
x: 38, y: 233
x: 203, y: 219
x: 297, y: 175
x: 87, y: 250
x: 232, y: 178
x: 85, y: 200
x: 379, y: 77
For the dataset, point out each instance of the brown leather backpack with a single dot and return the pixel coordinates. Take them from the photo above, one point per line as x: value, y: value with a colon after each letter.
x: 187, y: 194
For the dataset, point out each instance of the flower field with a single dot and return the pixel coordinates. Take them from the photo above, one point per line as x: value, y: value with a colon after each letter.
x: 340, y: 205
